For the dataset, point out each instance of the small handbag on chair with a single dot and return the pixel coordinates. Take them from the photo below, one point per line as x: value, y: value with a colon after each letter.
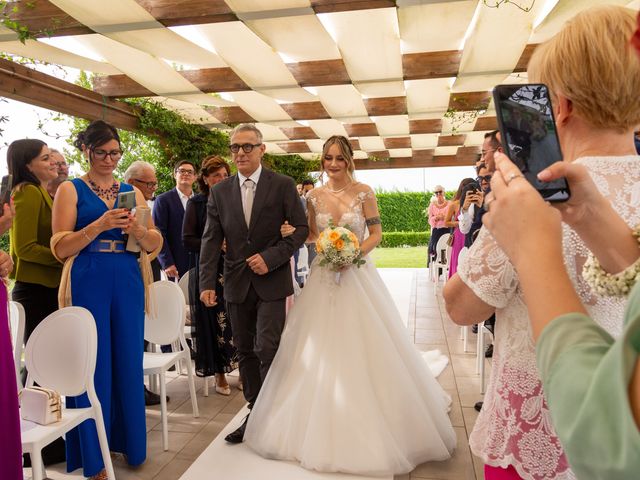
x: 40, y: 405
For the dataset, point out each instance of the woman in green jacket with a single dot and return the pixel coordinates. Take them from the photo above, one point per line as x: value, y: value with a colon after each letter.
x: 36, y: 271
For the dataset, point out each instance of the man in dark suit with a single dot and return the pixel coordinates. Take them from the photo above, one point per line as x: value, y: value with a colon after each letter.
x: 246, y: 210
x: 168, y: 213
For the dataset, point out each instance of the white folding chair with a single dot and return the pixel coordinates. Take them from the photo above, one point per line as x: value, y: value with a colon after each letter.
x: 183, y: 283
x: 303, y: 263
x: 464, y: 330
x: 17, y: 321
x: 164, y: 327
x: 61, y: 355
x: 442, y: 260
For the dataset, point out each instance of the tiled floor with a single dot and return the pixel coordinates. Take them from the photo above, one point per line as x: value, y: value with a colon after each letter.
x: 429, y: 327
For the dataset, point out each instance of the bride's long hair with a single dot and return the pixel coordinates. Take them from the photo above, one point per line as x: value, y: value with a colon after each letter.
x: 346, y: 150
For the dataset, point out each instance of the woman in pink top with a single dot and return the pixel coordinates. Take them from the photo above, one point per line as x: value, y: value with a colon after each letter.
x: 437, y: 212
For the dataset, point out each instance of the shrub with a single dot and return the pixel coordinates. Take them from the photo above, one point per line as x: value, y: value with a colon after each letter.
x: 399, y: 239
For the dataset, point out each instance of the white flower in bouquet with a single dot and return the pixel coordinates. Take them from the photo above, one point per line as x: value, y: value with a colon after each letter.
x: 338, y: 247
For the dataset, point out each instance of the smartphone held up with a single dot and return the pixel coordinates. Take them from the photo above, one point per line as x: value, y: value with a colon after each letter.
x: 529, y: 136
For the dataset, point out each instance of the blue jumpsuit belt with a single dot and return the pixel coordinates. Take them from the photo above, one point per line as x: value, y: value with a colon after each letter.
x: 101, y: 245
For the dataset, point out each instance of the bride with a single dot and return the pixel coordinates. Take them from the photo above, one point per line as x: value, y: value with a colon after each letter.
x: 347, y: 390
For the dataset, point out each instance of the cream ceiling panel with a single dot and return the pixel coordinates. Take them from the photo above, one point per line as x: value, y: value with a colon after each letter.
x: 369, y: 42
x: 300, y: 38
x: 285, y: 124
x: 187, y: 110
x: 360, y: 155
x: 145, y: 69
x: 307, y: 156
x: 434, y: 26
x: 371, y: 144
x: 49, y: 53
x: 315, y: 145
x: 166, y: 44
x: 243, y: 6
x: 341, y: 101
x: 428, y: 96
x: 391, y: 125
x: 260, y: 107
x: 424, y: 140
x: 249, y: 56
x: 446, y: 151
x: 271, y: 133
x: 474, y: 139
x: 274, y: 149
x: 119, y: 15
x: 381, y: 89
x: 327, y: 128
x: 490, y: 47
x: 400, y: 152
x: 563, y: 11
x: 203, y: 99
x: 288, y: 95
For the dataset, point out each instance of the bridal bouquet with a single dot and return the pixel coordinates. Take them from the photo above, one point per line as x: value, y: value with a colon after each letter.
x: 338, y: 247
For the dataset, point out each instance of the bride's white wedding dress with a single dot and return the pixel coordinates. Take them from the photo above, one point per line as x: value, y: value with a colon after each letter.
x: 347, y: 390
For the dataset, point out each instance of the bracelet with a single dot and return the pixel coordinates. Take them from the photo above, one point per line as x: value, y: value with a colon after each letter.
x: 86, y: 235
x: 613, y: 285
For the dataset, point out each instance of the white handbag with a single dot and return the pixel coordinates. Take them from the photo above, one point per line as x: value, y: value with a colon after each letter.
x: 40, y: 405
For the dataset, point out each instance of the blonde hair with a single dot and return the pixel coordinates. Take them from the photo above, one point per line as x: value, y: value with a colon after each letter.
x: 591, y: 62
x: 345, y: 148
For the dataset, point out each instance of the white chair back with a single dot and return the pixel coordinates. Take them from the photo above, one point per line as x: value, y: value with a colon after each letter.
x: 17, y: 321
x: 61, y: 351
x: 166, y: 324
x: 442, y: 245
x: 184, y: 284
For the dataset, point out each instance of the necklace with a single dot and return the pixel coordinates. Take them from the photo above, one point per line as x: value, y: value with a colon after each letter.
x: 109, y: 193
x: 340, y: 189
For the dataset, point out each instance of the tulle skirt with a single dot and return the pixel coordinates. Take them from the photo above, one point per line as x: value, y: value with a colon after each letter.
x: 348, y: 391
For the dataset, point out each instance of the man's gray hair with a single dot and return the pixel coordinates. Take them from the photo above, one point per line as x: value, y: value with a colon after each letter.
x: 136, y: 168
x: 55, y: 150
x: 247, y: 127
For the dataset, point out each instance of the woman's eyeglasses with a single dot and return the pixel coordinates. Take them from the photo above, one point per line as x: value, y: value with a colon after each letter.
x: 438, y: 192
x: 100, y: 154
x: 246, y: 147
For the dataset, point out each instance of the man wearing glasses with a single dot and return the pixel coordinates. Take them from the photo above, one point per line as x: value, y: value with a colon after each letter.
x: 246, y: 210
x: 62, y: 168
x: 168, y: 213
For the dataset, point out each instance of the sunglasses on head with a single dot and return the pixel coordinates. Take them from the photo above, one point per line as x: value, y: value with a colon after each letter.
x: 438, y: 192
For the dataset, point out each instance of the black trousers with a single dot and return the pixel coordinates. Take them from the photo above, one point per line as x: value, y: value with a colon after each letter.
x: 257, y: 327
x: 436, y: 233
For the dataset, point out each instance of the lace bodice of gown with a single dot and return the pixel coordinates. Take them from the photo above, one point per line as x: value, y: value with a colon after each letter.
x: 345, y: 210
x: 514, y: 426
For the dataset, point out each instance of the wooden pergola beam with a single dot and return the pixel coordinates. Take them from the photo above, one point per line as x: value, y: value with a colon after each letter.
x: 36, y: 88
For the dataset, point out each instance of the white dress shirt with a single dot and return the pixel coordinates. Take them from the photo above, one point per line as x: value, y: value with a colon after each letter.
x: 184, y: 198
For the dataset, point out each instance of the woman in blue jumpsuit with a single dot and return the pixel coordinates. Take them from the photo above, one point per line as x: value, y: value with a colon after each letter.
x: 106, y: 280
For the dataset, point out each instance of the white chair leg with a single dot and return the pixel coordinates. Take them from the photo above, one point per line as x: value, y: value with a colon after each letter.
x: 465, y: 338
x: 163, y: 412
x: 480, y: 347
x: 192, y: 389
x: 37, y: 467
x: 206, y: 386
x: 104, y: 444
x: 482, y: 379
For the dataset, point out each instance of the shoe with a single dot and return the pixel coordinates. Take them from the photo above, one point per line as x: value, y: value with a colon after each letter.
x: 474, y: 328
x: 478, y: 406
x: 151, y: 398
x: 237, y: 436
x: 226, y: 390
x: 102, y: 475
x: 488, y: 353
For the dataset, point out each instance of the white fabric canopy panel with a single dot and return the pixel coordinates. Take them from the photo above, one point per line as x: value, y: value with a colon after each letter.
x: 428, y: 96
x: 300, y: 38
x: 326, y: 128
x: 445, y: 151
x: 371, y: 144
x: 288, y: 94
x: 341, y: 100
x: 424, y: 140
x: 260, y: 107
x: 360, y: 155
x: 245, y: 6
x: 274, y: 149
x: 434, y: 26
x: 381, y: 89
x: 43, y: 51
x: 250, y: 57
x: 315, y: 145
x: 271, y: 133
x: 369, y: 42
x: 392, y: 125
x: 187, y: 110
x: 400, y: 152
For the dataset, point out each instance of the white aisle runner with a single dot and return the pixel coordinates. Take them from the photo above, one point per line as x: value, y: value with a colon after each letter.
x: 238, y: 462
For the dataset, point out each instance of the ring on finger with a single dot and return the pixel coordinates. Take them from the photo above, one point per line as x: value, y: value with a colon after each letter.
x: 512, y: 177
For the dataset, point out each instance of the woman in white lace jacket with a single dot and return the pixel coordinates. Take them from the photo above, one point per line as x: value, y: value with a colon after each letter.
x: 594, y: 79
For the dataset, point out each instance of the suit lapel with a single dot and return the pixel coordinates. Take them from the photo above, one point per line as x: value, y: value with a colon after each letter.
x: 262, y: 191
x: 236, y: 202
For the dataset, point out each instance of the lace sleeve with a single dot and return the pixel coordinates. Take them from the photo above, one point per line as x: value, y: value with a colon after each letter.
x: 487, y: 271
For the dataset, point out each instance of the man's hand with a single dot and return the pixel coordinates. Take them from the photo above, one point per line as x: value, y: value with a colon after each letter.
x: 208, y: 297
x: 257, y: 265
x: 172, y: 272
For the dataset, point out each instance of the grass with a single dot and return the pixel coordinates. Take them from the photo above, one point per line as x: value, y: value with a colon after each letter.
x: 412, y: 257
